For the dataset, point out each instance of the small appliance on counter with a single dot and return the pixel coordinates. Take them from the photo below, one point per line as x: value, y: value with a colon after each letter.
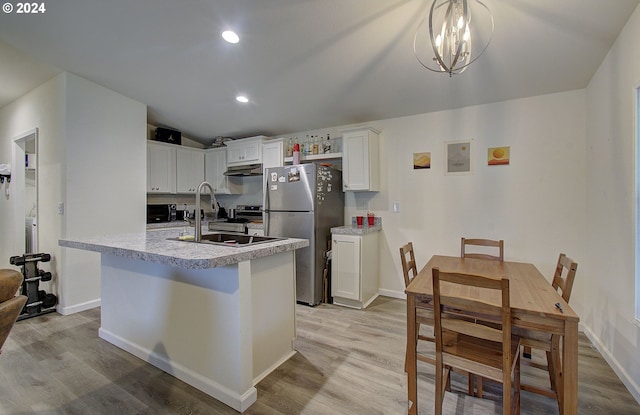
x: 161, y: 213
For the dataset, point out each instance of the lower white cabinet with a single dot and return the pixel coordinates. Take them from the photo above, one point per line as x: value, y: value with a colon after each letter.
x: 354, y: 269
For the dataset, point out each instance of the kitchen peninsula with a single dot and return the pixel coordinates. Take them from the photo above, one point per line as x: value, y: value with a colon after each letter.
x: 220, y: 318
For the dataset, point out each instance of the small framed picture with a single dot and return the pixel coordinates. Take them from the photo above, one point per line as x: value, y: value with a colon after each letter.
x: 458, y: 157
x: 421, y: 161
x: 498, y: 156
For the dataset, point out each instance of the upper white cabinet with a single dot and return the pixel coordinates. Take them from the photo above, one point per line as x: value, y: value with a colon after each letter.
x: 244, y: 151
x: 215, y: 164
x: 360, y: 160
x: 161, y: 168
x: 273, y: 153
x: 190, y: 169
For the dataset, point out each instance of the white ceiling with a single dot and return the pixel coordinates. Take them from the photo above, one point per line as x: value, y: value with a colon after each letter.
x: 305, y: 64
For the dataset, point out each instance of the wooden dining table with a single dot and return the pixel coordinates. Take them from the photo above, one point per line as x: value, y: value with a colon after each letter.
x: 533, y: 306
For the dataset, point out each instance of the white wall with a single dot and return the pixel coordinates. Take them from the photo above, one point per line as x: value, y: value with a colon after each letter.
x: 536, y: 204
x: 42, y: 108
x: 105, y: 180
x: 91, y: 158
x: 607, y: 296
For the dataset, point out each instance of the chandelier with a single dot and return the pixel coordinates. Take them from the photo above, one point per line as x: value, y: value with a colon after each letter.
x: 450, y: 49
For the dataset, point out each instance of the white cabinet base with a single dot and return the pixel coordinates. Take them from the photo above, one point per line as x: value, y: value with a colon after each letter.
x: 346, y: 302
x: 354, y: 269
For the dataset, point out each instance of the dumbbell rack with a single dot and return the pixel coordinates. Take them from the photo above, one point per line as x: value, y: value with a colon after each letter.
x: 38, y: 301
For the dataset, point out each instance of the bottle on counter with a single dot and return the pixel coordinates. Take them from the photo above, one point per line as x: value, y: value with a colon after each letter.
x: 327, y: 145
x: 296, y: 153
x: 315, y: 145
x: 290, y: 148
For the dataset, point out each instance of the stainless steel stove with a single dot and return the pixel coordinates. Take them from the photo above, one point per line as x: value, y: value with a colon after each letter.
x: 243, y: 215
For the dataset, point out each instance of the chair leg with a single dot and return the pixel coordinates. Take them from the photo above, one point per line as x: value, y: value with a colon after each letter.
x: 506, y: 396
x: 439, y: 395
x: 516, y: 387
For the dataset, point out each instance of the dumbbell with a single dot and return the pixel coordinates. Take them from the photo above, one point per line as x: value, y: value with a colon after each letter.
x: 21, y: 260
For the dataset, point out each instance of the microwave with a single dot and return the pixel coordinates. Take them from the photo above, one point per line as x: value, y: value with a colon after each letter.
x: 161, y: 213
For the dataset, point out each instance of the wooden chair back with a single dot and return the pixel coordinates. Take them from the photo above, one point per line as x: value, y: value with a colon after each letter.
x: 483, y: 346
x: 408, y: 259
x: 447, y: 310
x: 484, y: 243
x: 564, y: 276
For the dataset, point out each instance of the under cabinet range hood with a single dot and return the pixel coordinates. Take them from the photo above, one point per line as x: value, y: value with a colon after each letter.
x: 246, y: 170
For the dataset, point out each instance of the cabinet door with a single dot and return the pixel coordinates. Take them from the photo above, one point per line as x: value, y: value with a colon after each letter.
x: 360, y: 161
x: 345, y: 267
x: 215, y: 164
x: 253, y: 152
x: 273, y: 153
x: 161, y: 168
x: 235, y: 154
x: 245, y: 151
x: 190, y: 169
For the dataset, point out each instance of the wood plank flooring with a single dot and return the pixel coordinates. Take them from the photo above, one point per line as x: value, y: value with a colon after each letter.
x: 348, y: 362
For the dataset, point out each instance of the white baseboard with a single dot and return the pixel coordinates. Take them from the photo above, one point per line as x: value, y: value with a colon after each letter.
x: 392, y: 294
x: 65, y: 311
x: 631, y: 385
x: 225, y: 395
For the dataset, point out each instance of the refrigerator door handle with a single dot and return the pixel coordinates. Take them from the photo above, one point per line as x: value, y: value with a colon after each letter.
x: 265, y: 219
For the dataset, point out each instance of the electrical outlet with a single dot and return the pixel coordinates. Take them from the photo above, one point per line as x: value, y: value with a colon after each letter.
x: 60, y: 208
x: 396, y: 207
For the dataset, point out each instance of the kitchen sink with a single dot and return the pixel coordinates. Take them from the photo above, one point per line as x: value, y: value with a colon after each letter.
x: 231, y: 239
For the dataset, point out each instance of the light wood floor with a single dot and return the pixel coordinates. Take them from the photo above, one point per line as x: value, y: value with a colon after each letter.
x: 348, y: 362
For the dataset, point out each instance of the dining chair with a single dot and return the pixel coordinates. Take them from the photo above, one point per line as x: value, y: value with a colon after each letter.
x: 424, y: 318
x: 481, y: 249
x: 481, y: 253
x: 488, y: 350
x: 10, y: 304
x: 550, y: 344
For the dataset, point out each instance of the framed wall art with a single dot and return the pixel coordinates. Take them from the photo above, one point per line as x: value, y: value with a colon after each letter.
x: 421, y: 161
x: 498, y: 156
x: 458, y: 157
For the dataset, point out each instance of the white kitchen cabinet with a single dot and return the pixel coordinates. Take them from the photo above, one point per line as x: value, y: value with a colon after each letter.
x: 273, y: 153
x: 354, y: 269
x: 244, y: 151
x: 161, y: 167
x: 215, y: 164
x: 360, y: 160
x: 190, y: 169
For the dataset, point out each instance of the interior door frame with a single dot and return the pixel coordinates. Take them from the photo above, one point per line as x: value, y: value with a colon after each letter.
x: 18, y: 182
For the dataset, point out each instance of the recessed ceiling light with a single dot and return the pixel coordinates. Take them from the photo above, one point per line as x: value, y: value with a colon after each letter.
x: 230, y: 36
x: 242, y: 98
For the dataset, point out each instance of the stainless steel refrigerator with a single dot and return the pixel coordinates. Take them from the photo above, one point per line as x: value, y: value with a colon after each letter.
x: 304, y: 201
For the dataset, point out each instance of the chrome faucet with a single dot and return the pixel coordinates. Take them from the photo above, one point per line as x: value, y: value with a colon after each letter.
x: 214, y: 204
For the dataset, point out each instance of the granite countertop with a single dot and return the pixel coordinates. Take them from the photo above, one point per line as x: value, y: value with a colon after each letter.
x: 181, y: 224
x: 354, y: 229
x: 155, y: 247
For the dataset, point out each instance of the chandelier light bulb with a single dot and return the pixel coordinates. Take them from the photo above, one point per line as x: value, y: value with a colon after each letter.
x: 450, y: 50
